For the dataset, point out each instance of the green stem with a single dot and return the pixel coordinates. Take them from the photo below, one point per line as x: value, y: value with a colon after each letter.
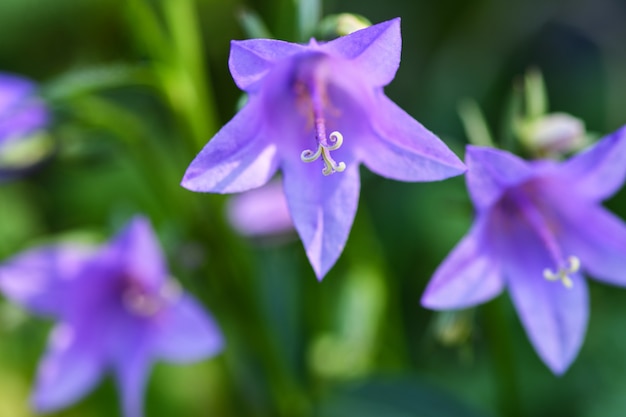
x: 366, y: 246
x: 190, y: 72
x: 501, y: 347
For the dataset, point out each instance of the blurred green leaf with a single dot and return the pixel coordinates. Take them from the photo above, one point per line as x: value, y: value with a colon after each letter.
x: 309, y: 14
x: 474, y: 123
x: 90, y: 80
x: 395, y: 397
x: 253, y: 25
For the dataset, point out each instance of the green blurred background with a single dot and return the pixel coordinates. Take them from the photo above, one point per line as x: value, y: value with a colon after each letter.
x: 135, y: 99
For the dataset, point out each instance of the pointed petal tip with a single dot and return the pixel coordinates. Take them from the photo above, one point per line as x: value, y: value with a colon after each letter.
x: 187, y: 181
x: 319, y: 275
x: 434, y: 299
x: 384, y: 25
x: 598, y: 171
x: 439, y: 299
x: 558, y: 365
x: 431, y: 302
x: 322, y: 262
x: 395, y: 22
x: 456, y: 166
x: 192, y: 180
x: 319, y: 271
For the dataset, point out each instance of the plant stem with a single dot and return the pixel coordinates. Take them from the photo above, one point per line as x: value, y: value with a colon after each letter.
x: 501, y: 347
x: 189, y: 86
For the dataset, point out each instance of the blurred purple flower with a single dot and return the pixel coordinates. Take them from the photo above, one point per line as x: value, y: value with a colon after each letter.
x: 261, y: 212
x: 298, y: 93
x: 537, y: 225
x: 116, y: 309
x: 21, y: 111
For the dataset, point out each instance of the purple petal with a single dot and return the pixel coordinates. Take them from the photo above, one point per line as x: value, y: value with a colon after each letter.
x: 38, y: 279
x: 598, y: 239
x: 131, y: 371
x: 555, y: 317
x: 251, y: 60
x: 186, y: 333
x: 236, y: 159
x: 323, y: 209
x: 13, y: 89
x: 138, y: 249
x: 491, y: 172
x: 69, y: 370
x: 468, y: 276
x: 598, y: 172
x: 405, y: 150
x: 21, y: 112
x: 375, y: 50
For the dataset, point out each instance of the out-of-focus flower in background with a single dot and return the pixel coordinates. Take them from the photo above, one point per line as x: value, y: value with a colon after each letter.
x: 299, y: 93
x: 544, y: 134
x: 21, y: 111
x: 117, y: 310
x: 22, y: 115
x: 261, y: 213
x: 555, y: 134
x: 538, y: 225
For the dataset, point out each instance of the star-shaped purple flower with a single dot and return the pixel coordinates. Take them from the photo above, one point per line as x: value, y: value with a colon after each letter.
x: 538, y: 225
x: 316, y: 112
x: 117, y: 310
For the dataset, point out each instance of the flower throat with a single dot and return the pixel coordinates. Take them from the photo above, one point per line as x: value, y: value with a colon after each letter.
x: 565, y: 266
x: 315, y: 90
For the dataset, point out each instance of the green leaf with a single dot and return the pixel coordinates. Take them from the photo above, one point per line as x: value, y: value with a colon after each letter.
x: 475, y: 124
x: 309, y: 13
x: 253, y: 25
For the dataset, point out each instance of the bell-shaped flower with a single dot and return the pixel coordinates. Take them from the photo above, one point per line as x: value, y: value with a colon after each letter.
x: 117, y: 310
x: 538, y: 226
x: 316, y: 112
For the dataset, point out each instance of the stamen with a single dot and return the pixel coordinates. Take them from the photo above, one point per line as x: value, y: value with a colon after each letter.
x: 573, y: 265
x: 325, y: 145
x: 323, y: 150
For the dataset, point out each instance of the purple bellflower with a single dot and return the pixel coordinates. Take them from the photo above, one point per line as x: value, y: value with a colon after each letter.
x: 117, y: 310
x: 316, y: 112
x: 21, y: 111
x: 538, y: 225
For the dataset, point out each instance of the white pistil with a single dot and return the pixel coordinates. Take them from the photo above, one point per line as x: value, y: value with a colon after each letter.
x: 323, y: 150
x: 573, y: 265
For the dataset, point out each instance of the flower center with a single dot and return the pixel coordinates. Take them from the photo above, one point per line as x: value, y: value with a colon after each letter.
x: 145, y: 302
x: 315, y: 90
x: 564, y: 266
